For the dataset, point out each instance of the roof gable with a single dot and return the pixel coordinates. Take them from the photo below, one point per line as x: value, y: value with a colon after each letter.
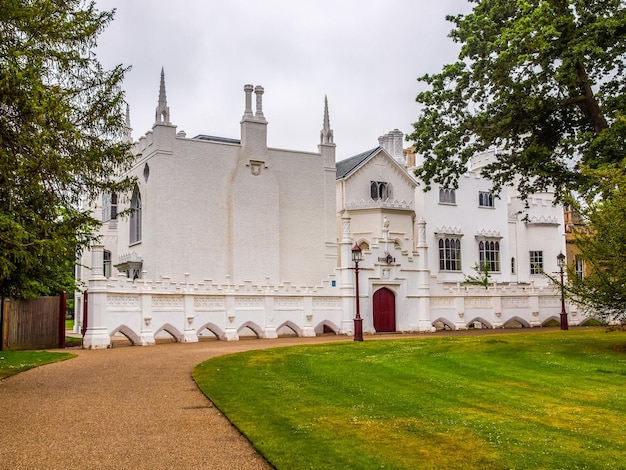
x: 350, y: 165
x: 346, y: 168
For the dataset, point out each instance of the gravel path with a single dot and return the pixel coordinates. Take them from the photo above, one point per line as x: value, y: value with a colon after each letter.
x: 125, y: 407
x: 129, y: 407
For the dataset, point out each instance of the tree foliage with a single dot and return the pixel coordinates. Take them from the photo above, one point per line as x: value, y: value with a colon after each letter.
x: 482, y: 277
x: 61, y: 139
x: 542, y: 81
x: 602, y: 245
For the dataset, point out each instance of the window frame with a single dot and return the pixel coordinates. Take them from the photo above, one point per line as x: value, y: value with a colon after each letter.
x: 107, y: 265
x: 135, y: 221
x: 447, y: 196
x: 449, y: 255
x: 535, y: 258
x: 579, y: 267
x: 486, y: 199
x: 489, y: 253
x: 109, y: 207
x: 380, y: 190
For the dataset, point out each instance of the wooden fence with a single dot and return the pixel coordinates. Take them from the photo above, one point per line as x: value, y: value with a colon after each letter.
x: 33, y: 324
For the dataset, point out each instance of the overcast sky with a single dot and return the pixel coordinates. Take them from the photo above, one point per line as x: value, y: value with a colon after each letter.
x: 365, y: 55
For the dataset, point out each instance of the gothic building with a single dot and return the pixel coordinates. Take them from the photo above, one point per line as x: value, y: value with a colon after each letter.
x: 228, y: 236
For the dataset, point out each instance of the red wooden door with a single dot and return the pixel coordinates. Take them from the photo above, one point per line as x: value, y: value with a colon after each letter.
x: 384, y: 310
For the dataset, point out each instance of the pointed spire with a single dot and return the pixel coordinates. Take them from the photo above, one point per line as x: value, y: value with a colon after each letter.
x: 128, y: 135
x: 326, y: 134
x: 162, y: 110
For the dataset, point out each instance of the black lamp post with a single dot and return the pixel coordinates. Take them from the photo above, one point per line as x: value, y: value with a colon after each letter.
x: 357, y: 256
x: 561, y: 262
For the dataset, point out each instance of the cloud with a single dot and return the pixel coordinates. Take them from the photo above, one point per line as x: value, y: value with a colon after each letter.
x: 365, y: 56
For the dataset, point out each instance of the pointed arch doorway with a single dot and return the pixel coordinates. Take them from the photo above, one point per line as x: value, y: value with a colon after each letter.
x: 384, y: 309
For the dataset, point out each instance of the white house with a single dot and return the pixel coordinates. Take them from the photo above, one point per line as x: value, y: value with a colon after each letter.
x: 436, y: 239
x: 230, y: 209
x: 227, y: 235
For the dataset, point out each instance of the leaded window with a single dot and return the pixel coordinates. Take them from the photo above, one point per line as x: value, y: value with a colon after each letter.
x: 489, y: 254
x: 536, y: 262
x: 447, y: 196
x: 135, y: 217
x: 380, y: 191
x: 449, y: 254
x: 580, y: 267
x: 106, y: 263
x: 485, y: 199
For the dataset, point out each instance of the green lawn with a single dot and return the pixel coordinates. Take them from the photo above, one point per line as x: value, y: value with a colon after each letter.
x: 552, y: 400
x: 13, y: 362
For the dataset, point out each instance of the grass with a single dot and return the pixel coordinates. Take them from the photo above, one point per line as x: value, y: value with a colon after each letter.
x: 14, y: 362
x: 71, y: 341
x: 548, y: 400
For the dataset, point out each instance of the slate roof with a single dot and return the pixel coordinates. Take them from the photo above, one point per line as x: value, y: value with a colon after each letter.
x: 347, y: 166
x: 213, y: 138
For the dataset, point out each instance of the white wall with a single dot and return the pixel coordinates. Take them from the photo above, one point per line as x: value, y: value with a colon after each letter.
x: 465, y: 220
x: 232, y: 213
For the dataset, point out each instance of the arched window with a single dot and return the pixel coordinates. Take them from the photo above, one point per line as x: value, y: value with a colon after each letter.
x: 135, y: 217
x: 447, y: 196
x: 380, y: 190
x: 489, y: 255
x: 485, y: 199
x: 449, y: 254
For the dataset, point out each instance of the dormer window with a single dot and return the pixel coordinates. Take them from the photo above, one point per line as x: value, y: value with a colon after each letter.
x: 380, y: 191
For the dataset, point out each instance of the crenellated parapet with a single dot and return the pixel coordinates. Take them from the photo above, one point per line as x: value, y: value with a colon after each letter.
x: 142, y: 309
x: 166, y: 285
x: 544, y: 220
x: 400, y: 204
